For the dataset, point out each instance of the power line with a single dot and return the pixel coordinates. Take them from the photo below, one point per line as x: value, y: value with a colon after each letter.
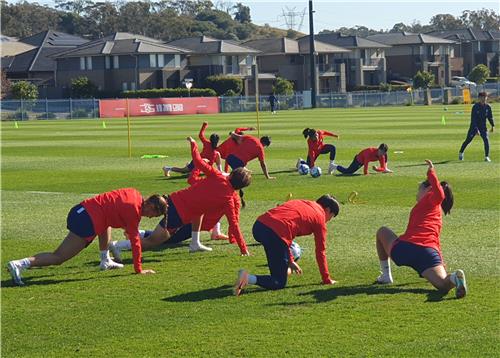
x: 293, y: 19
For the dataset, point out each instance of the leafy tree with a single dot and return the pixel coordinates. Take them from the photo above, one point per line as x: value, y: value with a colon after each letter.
x: 423, y: 79
x: 6, y: 85
x: 82, y: 87
x: 242, y: 13
x: 442, y: 22
x: 24, y: 90
x: 481, y: 19
x: 102, y: 19
x: 223, y: 84
x: 135, y: 17
x: 25, y: 19
x: 282, y: 86
x: 479, y: 74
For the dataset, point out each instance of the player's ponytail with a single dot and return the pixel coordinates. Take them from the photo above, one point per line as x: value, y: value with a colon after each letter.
x: 214, y: 140
x: 447, y: 203
x: 243, y: 203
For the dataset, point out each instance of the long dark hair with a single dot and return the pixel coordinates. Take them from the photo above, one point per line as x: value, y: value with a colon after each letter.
x: 330, y: 202
x: 309, y: 132
x: 214, y: 140
x: 447, y: 202
x: 243, y: 203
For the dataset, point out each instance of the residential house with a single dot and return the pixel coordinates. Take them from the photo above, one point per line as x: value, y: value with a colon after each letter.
x: 36, y: 65
x: 289, y: 59
x: 365, y: 63
x: 10, y: 47
x: 211, y: 56
x: 473, y: 47
x: 123, y: 61
x: 411, y: 52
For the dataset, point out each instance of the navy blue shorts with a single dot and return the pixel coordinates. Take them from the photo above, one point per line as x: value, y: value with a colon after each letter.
x: 173, y: 219
x: 190, y: 166
x: 419, y: 258
x: 234, y: 162
x: 80, y: 223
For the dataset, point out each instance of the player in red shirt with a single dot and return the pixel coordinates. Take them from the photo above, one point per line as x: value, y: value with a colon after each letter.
x: 249, y: 148
x: 316, y: 147
x: 419, y: 247
x: 363, y: 159
x: 209, y: 152
x: 277, y: 228
x: 227, y: 147
x: 122, y: 208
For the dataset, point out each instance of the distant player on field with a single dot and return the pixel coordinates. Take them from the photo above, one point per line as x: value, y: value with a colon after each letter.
x: 277, y: 228
x: 363, y: 159
x: 209, y: 152
x: 419, y: 247
x: 480, y: 112
x: 316, y: 147
x: 122, y: 208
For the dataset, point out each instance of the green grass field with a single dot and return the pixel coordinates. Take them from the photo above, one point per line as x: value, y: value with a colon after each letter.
x: 187, y: 308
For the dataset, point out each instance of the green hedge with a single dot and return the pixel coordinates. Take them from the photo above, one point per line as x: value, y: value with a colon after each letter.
x: 169, y: 92
x: 225, y: 85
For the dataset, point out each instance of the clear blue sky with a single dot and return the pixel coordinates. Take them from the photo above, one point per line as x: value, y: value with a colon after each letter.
x: 332, y: 14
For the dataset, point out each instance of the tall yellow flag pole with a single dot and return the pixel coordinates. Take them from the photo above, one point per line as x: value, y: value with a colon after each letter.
x: 128, y: 127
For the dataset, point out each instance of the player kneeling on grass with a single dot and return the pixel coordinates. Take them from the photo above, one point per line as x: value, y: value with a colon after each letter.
x: 363, y: 159
x: 419, y: 247
x: 122, y: 208
x: 277, y: 228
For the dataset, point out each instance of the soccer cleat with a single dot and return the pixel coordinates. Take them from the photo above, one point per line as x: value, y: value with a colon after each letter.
x: 299, y: 162
x: 487, y: 159
x: 200, y: 247
x: 460, y: 156
x: 15, y: 272
x: 461, y: 285
x: 384, y: 279
x: 331, y: 168
x: 166, y: 171
x: 221, y: 236
x: 241, y: 282
x: 109, y: 265
x: 116, y: 251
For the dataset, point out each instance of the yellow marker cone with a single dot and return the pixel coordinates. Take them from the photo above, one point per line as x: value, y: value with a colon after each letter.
x: 103, y: 124
x: 443, y: 120
x: 289, y: 196
x: 15, y: 124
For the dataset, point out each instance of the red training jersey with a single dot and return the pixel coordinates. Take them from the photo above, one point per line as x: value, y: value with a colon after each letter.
x: 299, y: 218
x: 316, y: 146
x: 119, y: 209
x: 211, y: 195
x: 208, y: 152
x: 371, y: 155
x: 227, y: 147
x: 426, y: 218
x: 249, y: 148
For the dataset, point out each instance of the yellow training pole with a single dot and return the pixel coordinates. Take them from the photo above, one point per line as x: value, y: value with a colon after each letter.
x: 257, y: 112
x: 128, y: 126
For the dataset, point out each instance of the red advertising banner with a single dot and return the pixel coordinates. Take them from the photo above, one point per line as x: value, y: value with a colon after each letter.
x: 113, y: 108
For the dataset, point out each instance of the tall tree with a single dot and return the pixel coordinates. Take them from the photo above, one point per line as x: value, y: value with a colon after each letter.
x: 442, y: 22
x: 242, y: 13
x: 482, y: 19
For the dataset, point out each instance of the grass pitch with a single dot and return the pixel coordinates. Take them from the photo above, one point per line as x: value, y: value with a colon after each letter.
x: 187, y: 308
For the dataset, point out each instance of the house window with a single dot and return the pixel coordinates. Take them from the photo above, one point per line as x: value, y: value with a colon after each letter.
x: 116, y: 62
x: 89, y: 63
x: 132, y: 86
x: 177, y: 60
x: 124, y: 86
x: 85, y: 63
x: 161, y: 61
x: 249, y: 60
x: 107, y: 62
x: 82, y: 63
x: 152, y: 60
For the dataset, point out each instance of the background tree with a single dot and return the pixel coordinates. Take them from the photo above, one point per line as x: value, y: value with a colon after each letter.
x: 24, y: 90
x: 482, y: 19
x: 5, y: 85
x: 282, y: 87
x: 242, y: 13
x: 423, y: 79
x: 82, y: 87
x: 442, y: 22
x: 479, y: 74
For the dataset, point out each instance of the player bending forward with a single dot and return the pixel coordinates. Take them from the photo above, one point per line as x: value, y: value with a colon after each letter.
x: 419, y: 247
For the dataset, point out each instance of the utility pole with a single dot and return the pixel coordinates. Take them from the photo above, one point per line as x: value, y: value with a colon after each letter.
x: 312, y: 55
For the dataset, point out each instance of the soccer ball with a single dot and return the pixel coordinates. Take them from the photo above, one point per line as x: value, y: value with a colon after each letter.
x: 303, y: 169
x: 295, y: 250
x: 315, y: 172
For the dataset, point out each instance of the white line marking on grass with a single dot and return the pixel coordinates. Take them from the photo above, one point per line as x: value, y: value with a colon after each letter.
x: 56, y: 193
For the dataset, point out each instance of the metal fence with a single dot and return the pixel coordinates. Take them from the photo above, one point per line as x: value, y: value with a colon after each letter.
x: 89, y: 108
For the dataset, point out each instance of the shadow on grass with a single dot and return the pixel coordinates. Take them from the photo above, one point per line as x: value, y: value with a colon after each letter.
x: 202, y: 295
x: 34, y: 281
x: 283, y: 171
x: 425, y: 164
x: 349, y: 175
x: 174, y: 177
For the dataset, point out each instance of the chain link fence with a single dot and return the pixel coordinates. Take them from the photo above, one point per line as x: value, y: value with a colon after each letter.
x: 22, y: 110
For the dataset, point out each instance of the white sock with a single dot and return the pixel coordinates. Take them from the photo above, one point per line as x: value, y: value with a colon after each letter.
x: 105, y: 255
x: 219, y: 167
x: 195, y: 238
x: 252, y: 279
x: 216, y: 229
x: 25, y: 263
x: 142, y: 233
x: 385, y: 267
x: 124, y: 245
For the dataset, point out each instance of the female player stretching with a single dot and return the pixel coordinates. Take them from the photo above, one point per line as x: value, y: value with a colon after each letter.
x: 121, y: 208
x: 316, y: 147
x: 363, y: 159
x: 419, y: 247
x: 209, y: 152
x: 277, y: 228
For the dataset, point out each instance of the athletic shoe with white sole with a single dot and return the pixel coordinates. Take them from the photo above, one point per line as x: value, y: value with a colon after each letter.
x: 460, y: 156
x: 200, y: 247
x: 166, y: 171
x: 116, y: 251
x: 241, y: 282
x: 15, y: 272
x: 331, y: 168
x: 299, y: 162
x: 384, y: 279
x: 461, y: 285
x: 487, y: 159
x: 109, y: 265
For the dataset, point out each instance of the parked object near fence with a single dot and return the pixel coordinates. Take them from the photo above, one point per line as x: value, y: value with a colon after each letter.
x: 113, y: 108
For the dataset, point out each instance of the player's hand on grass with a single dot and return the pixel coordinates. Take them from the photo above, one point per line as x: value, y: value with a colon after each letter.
x: 329, y: 282
x: 147, y: 272
x: 271, y: 178
x: 429, y: 163
x: 245, y: 253
x: 296, y: 268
